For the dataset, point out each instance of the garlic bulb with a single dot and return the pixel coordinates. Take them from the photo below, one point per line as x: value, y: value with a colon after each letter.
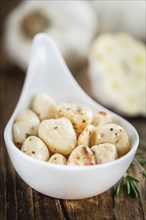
x: 119, y: 15
x: 72, y: 24
x: 117, y: 73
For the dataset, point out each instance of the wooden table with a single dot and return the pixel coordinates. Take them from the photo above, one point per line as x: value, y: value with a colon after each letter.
x: 19, y: 201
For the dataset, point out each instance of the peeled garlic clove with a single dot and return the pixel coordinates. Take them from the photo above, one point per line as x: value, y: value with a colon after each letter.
x: 104, y: 153
x: 27, y: 115
x: 58, y: 159
x: 118, y: 63
x: 21, y: 130
x: 80, y: 156
x: 114, y: 134
x: 65, y: 22
x: 58, y: 134
x: 35, y: 147
x: 101, y: 118
x: 80, y: 115
x: 25, y: 124
x: 43, y: 106
x: 86, y: 136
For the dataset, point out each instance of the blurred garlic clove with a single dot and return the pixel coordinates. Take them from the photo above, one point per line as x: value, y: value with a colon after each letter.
x: 35, y: 147
x: 79, y: 114
x: 71, y: 24
x: 114, y: 134
x: 117, y: 73
x: 26, y: 123
x: 104, y: 153
x: 43, y: 106
x: 80, y: 156
x: 58, y: 159
x: 58, y: 135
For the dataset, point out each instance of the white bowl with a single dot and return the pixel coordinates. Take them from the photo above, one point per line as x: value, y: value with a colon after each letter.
x: 47, y: 72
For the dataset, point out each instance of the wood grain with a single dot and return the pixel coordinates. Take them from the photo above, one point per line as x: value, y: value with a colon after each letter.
x: 18, y: 201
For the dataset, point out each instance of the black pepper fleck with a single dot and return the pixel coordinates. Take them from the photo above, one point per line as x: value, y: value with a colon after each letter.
x: 78, y: 110
x: 27, y: 135
x: 85, y: 150
x: 102, y: 135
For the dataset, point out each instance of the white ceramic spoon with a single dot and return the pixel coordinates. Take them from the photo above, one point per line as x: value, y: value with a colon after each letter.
x: 48, y: 73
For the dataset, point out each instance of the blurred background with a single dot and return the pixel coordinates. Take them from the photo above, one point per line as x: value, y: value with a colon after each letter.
x: 103, y: 43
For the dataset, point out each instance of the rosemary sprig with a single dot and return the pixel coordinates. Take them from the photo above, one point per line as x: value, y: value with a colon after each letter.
x: 129, y: 181
x: 131, y: 184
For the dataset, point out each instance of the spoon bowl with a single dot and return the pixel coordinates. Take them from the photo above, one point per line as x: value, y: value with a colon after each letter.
x: 48, y: 73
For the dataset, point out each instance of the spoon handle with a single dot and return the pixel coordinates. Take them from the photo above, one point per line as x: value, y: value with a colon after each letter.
x: 47, y: 71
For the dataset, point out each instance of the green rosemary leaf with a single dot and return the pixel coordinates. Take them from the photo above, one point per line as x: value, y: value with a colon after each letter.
x: 119, y: 187
x: 134, y: 189
x: 133, y: 178
x: 128, y: 186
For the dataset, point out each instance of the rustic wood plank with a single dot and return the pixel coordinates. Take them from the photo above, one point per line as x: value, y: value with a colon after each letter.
x: 136, y: 171
x: 9, y: 192
x: 25, y: 209
x: 2, y: 173
x: 47, y: 208
x: 99, y: 207
x: 11, y: 201
x: 127, y: 207
x: 11, y: 84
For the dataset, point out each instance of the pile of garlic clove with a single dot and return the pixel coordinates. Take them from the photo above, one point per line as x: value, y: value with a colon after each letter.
x: 68, y: 133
